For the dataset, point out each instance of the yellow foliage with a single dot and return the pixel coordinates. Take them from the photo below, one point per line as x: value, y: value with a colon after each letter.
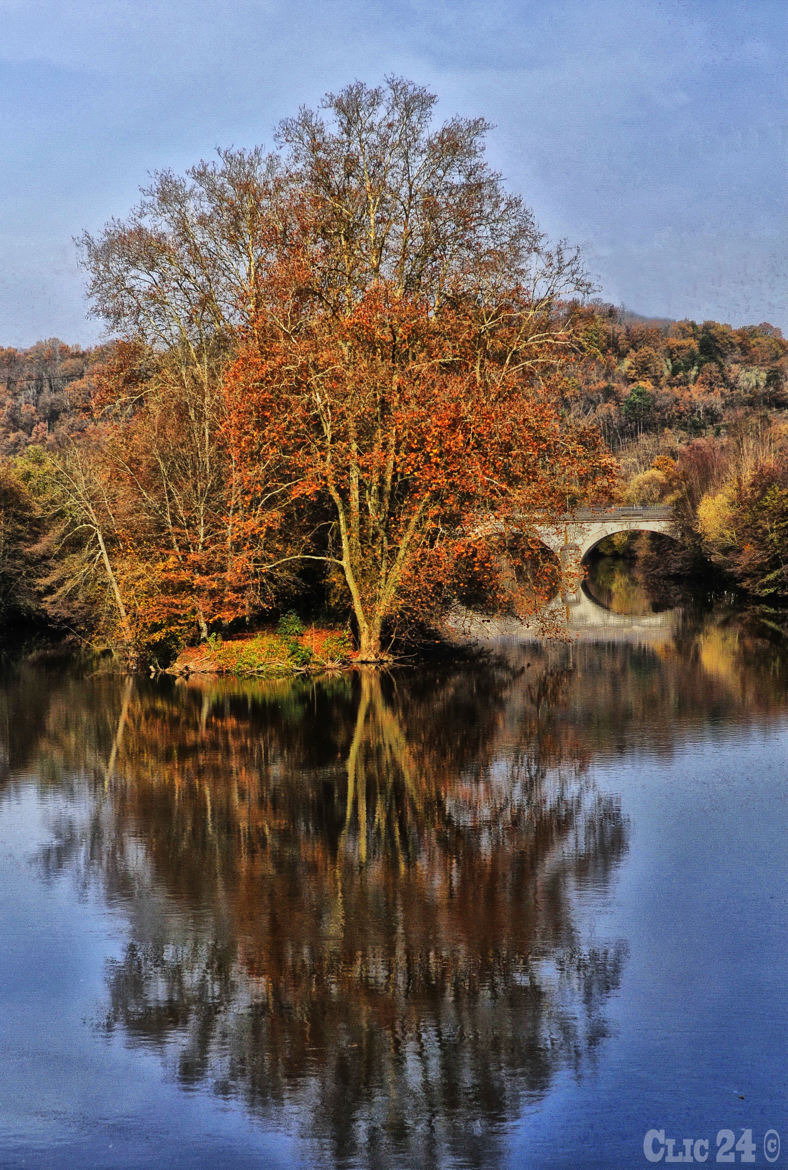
x: 715, y: 518
x: 648, y: 487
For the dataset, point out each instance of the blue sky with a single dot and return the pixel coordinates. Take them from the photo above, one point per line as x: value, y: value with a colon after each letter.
x: 651, y: 132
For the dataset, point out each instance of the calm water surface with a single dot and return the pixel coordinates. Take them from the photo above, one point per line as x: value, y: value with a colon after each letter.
x: 517, y: 913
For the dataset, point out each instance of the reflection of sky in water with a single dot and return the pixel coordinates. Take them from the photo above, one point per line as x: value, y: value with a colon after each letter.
x: 68, y: 1096
x: 699, y: 1025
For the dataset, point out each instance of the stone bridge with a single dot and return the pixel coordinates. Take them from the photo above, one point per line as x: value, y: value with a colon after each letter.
x: 574, y: 535
x: 571, y: 537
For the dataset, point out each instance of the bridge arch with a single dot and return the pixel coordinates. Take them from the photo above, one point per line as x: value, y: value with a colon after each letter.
x: 573, y: 536
x: 584, y: 529
x: 612, y: 529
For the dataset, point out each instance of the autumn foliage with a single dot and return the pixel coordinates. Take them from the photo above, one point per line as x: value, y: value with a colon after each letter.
x: 423, y: 444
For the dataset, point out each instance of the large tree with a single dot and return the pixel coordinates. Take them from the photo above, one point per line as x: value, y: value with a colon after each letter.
x: 179, y: 281
x: 393, y: 323
x: 404, y: 362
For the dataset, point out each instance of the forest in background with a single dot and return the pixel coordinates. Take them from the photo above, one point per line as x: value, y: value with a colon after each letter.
x: 349, y: 377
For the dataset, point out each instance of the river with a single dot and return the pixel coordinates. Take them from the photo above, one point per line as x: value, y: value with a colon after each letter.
x: 527, y: 910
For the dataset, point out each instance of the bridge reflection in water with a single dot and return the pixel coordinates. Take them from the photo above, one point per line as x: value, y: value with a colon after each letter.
x: 580, y: 616
x: 584, y: 614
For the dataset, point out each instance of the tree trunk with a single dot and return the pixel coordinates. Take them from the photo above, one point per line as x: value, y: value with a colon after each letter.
x: 369, y: 639
x: 113, y: 582
x: 202, y: 625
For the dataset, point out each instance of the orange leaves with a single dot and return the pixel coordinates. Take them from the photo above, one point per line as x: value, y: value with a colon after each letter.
x: 400, y: 421
x: 337, y: 350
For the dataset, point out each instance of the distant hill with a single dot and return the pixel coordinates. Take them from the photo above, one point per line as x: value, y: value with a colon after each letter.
x: 43, y: 391
x: 641, y: 375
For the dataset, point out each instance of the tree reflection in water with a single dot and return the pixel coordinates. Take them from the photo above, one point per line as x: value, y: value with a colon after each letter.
x: 355, y: 899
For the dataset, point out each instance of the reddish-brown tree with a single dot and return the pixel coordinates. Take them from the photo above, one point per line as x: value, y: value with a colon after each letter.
x: 402, y: 363
x: 392, y: 320
x: 420, y: 428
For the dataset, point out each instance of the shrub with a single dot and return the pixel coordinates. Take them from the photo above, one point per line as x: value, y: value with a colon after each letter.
x: 290, y: 626
x: 299, y: 655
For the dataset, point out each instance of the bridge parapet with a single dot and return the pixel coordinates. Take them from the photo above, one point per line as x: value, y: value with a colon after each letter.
x: 624, y: 512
